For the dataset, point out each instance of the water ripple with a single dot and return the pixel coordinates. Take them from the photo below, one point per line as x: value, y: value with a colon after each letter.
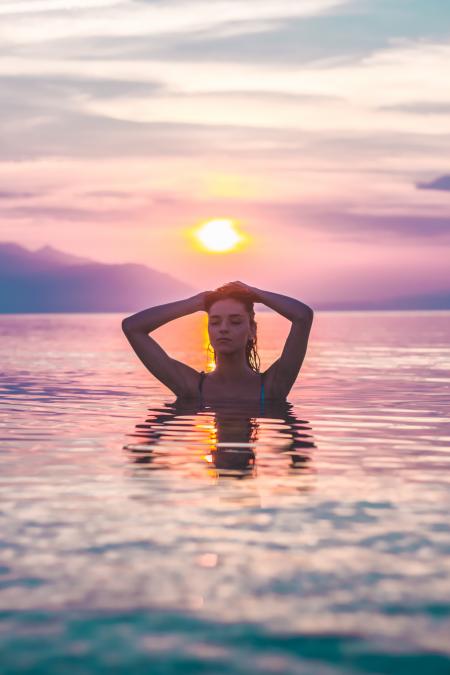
x: 137, y: 530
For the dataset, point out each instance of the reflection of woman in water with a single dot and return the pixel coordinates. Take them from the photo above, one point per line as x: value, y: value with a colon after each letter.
x: 232, y: 333
x: 227, y: 437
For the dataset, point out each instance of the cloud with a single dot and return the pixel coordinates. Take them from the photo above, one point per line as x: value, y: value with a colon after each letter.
x: 94, y: 136
x: 284, y: 40
x: 11, y: 194
x: 17, y: 7
x: 441, y: 183
x: 34, y: 129
x: 62, y: 214
x: 340, y: 102
x: 257, y: 31
x: 345, y: 222
x: 406, y: 225
x: 116, y: 194
x: 56, y: 90
x: 134, y: 19
x: 420, y: 107
x: 356, y: 226
x: 195, y: 91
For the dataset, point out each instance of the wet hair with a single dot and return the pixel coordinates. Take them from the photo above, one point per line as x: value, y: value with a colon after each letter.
x: 237, y: 293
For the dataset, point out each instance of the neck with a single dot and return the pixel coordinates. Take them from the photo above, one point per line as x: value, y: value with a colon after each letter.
x: 230, y: 367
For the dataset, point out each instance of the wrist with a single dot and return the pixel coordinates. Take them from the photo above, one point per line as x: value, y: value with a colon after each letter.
x: 256, y: 294
x: 199, y: 301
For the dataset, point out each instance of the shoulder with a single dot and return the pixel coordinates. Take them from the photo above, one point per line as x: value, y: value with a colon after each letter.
x: 271, y: 383
x: 188, y: 379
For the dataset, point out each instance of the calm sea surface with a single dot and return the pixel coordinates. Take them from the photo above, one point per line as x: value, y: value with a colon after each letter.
x: 142, y: 536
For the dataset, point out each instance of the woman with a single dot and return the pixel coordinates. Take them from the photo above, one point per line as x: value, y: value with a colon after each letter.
x: 232, y: 333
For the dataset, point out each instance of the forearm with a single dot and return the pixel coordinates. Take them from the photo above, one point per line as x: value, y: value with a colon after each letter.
x: 292, y: 309
x: 150, y: 319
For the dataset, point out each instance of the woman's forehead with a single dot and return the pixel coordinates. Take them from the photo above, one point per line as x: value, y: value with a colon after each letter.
x: 227, y: 306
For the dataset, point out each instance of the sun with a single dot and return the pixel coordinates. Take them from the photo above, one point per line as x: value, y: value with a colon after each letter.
x: 219, y: 235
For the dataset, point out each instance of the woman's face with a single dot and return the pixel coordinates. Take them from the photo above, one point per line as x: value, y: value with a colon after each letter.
x: 229, y: 325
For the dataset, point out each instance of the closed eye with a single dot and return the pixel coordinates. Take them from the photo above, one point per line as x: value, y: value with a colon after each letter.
x: 216, y: 323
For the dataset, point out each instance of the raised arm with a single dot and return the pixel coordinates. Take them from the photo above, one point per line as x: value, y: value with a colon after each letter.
x: 292, y: 309
x: 281, y: 375
x: 177, y: 376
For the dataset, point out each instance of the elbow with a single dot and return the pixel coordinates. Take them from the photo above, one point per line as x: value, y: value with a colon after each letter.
x: 305, y: 316
x: 126, y: 325
x: 309, y: 313
x: 131, y: 324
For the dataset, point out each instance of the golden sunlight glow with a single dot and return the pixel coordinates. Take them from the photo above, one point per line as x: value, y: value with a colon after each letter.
x: 207, y: 348
x: 231, y: 186
x: 219, y: 236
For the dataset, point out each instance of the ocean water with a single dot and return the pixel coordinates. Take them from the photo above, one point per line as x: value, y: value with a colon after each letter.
x: 139, y: 535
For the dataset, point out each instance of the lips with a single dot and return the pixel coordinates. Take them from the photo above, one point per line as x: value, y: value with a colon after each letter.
x: 223, y: 340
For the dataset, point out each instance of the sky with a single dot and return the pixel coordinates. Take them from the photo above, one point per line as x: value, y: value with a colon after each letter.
x: 322, y: 127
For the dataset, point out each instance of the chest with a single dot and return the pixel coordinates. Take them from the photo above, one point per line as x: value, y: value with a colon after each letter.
x: 246, y: 391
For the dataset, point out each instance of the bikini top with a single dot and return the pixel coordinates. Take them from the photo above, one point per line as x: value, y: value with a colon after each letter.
x: 200, y: 388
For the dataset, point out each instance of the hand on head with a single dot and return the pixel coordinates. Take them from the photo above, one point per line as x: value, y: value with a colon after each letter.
x: 240, y: 286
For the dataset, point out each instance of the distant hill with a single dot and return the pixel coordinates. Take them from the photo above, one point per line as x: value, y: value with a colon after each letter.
x: 15, y: 258
x: 438, y: 300
x: 48, y: 280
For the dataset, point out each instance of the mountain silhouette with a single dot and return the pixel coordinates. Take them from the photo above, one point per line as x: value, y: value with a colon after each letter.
x: 48, y: 280
x: 438, y: 300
